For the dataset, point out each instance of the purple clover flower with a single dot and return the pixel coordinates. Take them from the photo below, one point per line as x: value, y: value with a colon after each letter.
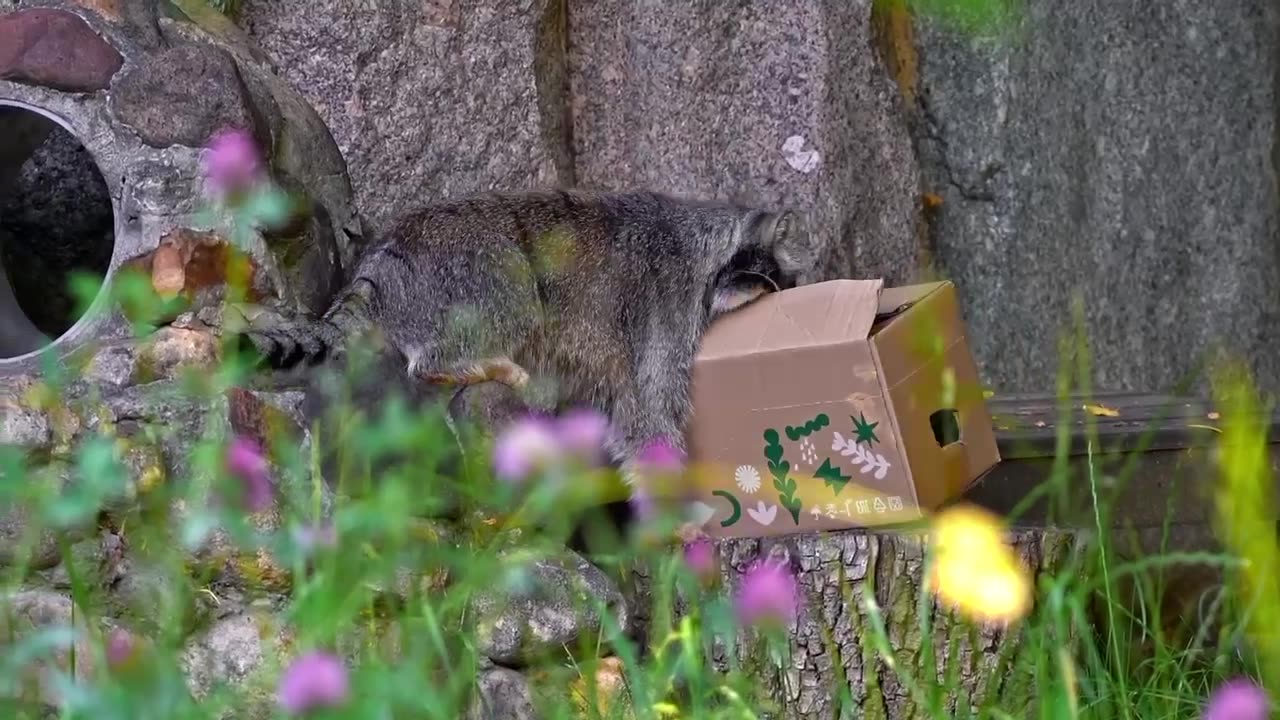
x: 642, y: 503
x: 312, y: 681
x: 248, y: 464
x: 312, y: 537
x: 121, y: 648
x: 231, y: 162
x: 582, y: 432
x: 1238, y: 699
x: 768, y: 594
x: 525, y: 447
x: 699, y: 556
x: 661, y: 456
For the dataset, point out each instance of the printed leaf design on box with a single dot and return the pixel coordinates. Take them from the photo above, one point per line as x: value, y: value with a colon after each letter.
x: 763, y: 514
x: 867, y: 459
x: 817, y: 423
x: 831, y: 474
x: 779, y: 469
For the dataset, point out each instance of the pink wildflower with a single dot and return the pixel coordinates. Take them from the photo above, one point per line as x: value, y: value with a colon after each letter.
x: 121, y: 649
x: 312, y: 681
x: 642, y: 504
x: 525, y: 447
x: 699, y: 556
x: 1238, y: 699
x: 582, y: 433
x: 312, y: 537
x: 232, y: 162
x: 246, y: 461
x: 661, y: 456
x: 768, y: 594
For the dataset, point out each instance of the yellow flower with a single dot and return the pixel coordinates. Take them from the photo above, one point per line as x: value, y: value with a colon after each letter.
x: 974, y: 569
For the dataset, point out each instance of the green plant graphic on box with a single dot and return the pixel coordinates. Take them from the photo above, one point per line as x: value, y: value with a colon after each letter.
x: 858, y: 447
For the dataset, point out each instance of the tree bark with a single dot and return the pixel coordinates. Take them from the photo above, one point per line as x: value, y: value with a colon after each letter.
x: 835, y: 669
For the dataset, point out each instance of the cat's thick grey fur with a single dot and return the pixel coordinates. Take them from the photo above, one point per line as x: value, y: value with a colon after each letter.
x: 607, y: 294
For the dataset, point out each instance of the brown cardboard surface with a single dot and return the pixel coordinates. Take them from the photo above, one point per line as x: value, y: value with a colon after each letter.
x: 813, y: 407
x: 822, y: 313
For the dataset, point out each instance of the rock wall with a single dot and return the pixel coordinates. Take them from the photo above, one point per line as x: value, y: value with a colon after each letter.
x: 1122, y: 151
x: 144, y: 87
x: 428, y: 99
x: 1118, y: 150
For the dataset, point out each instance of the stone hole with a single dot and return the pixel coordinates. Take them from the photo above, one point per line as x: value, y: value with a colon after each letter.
x: 56, y: 218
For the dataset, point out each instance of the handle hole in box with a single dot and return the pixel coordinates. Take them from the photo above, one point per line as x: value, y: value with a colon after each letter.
x: 946, y: 426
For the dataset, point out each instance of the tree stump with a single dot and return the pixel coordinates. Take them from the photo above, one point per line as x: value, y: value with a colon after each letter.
x: 835, y: 668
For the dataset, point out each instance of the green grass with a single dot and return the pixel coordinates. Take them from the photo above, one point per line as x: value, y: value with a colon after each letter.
x: 1095, y: 646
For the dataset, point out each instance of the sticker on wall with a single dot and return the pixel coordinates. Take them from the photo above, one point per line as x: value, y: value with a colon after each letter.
x: 747, y: 478
x: 763, y: 514
x: 735, y: 513
x: 780, y: 469
x: 865, y: 458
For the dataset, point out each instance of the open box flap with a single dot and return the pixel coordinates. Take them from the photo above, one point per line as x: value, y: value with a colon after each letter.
x: 819, y: 314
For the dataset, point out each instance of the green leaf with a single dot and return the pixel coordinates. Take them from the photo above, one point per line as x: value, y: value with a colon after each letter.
x: 99, y: 477
x: 197, y: 528
x: 831, y: 474
x: 270, y: 208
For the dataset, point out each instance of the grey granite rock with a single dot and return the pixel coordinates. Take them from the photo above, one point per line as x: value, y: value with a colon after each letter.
x: 551, y: 610
x: 231, y: 650
x: 38, y: 545
x: 768, y: 103
x: 305, y: 161
x: 178, y: 418
x: 57, y: 49
x: 21, y: 424
x: 97, y: 562
x: 112, y: 364
x: 182, y: 96
x: 147, y: 598
x: 425, y: 99
x: 1122, y: 151
x: 503, y: 694
x: 43, y: 551
x: 29, y: 611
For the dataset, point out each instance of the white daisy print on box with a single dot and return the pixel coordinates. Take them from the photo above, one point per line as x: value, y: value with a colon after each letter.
x: 748, y: 478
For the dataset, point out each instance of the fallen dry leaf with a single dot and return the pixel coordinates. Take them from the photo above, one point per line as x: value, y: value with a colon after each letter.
x: 1102, y: 410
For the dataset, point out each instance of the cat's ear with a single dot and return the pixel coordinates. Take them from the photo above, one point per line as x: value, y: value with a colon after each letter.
x: 796, y: 249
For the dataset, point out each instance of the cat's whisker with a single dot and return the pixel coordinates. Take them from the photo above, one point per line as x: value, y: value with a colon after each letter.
x: 764, y: 277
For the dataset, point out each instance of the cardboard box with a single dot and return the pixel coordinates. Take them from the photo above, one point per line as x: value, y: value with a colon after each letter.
x: 835, y: 405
